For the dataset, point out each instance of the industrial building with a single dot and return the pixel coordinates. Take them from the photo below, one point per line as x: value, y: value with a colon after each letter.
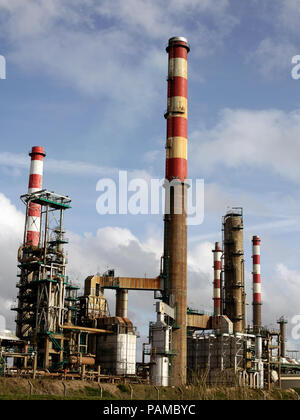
x: 62, y: 332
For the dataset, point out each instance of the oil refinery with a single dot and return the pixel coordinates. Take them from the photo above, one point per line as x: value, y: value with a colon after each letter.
x: 63, y: 333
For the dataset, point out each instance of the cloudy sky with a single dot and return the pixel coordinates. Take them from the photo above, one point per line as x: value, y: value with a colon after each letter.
x: 87, y: 80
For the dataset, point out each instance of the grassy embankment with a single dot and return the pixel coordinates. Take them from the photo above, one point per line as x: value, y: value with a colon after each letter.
x: 52, y: 389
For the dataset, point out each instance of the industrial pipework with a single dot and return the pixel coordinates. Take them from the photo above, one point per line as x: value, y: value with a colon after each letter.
x: 175, y: 229
x: 35, y: 184
x: 256, y: 284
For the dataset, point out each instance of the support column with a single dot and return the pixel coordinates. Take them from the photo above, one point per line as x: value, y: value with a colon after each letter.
x: 122, y: 303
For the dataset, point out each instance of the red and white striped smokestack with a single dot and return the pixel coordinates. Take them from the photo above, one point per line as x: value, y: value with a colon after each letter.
x: 175, y: 235
x: 217, y: 278
x: 176, y: 159
x: 256, y: 283
x: 35, y: 184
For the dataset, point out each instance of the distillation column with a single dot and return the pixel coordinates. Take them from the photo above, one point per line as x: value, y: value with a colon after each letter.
x: 35, y: 184
x: 217, y: 278
x: 282, y: 324
x: 175, y: 229
x: 235, y: 297
x: 256, y: 284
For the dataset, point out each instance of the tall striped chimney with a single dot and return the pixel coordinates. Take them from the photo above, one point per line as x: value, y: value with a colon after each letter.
x: 256, y: 283
x: 217, y: 278
x: 35, y: 184
x: 175, y: 229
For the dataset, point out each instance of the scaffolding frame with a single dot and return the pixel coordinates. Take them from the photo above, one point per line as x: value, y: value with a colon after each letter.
x: 47, y: 299
x: 217, y: 359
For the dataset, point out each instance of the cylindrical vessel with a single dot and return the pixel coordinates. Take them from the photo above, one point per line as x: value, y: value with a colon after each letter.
x: 122, y: 303
x: 256, y: 283
x: 235, y: 297
x: 77, y: 360
x: 283, y: 338
x: 217, y: 278
x: 282, y: 323
x: 160, y: 371
x: 175, y: 229
x: 258, y: 347
x: 35, y: 184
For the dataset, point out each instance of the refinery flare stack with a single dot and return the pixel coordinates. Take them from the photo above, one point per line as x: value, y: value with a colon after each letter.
x: 256, y: 284
x: 217, y: 279
x: 35, y: 184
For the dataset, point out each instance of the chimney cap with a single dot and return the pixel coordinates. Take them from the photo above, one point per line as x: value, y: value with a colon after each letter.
x: 176, y: 39
x: 37, y: 150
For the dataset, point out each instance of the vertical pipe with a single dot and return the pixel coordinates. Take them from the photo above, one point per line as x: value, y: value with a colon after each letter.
x: 175, y: 229
x: 283, y: 338
x: 256, y: 284
x: 282, y: 323
x: 217, y: 278
x: 45, y: 242
x: 258, y: 356
x: 235, y: 297
x: 122, y: 303
x: 35, y: 184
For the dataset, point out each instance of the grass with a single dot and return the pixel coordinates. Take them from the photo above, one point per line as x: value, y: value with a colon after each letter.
x: 52, y: 389
x: 123, y: 388
x: 48, y: 397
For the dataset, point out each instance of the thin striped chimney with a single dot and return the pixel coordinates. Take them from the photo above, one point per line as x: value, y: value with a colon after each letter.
x: 175, y: 234
x: 35, y: 184
x: 256, y: 283
x: 176, y: 147
x: 217, y: 278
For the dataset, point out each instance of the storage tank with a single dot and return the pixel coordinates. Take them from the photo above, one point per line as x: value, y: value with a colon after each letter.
x: 160, y: 337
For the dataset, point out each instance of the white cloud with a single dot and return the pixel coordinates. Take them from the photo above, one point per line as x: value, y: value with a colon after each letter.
x: 110, y: 49
x: 157, y: 21
x: 288, y: 16
x: 217, y: 199
x: 273, y: 57
x: 200, y: 276
x: 12, y: 163
x: 111, y: 247
x: 266, y: 139
x: 281, y: 296
x: 11, y: 235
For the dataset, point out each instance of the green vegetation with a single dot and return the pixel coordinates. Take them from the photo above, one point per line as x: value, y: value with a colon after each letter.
x: 123, y: 388
x: 297, y: 390
x: 53, y: 389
